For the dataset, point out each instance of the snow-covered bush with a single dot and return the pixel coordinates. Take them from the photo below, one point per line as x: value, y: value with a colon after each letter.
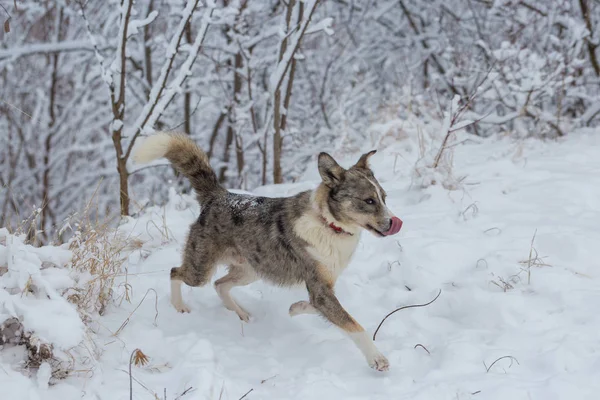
x: 51, y: 297
x: 33, y: 312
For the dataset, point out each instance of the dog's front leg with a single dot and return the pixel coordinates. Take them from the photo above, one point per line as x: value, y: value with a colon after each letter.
x: 323, y: 299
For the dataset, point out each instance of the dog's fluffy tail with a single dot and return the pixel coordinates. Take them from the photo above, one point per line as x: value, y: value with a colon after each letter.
x: 185, y: 156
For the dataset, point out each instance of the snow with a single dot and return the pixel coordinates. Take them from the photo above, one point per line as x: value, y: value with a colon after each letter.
x: 46, y: 309
x: 115, y: 125
x: 323, y: 25
x: 25, y: 50
x: 137, y: 24
x: 472, y: 244
x: 43, y: 376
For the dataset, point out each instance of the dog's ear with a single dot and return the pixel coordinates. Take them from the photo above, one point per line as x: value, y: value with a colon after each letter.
x: 363, y: 161
x: 330, y: 170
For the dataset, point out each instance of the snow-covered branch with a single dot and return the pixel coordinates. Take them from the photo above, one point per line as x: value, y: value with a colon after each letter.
x: 48, y: 48
x: 292, y: 46
x: 161, y: 93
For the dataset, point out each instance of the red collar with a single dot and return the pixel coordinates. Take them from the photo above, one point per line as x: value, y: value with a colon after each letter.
x: 336, y: 229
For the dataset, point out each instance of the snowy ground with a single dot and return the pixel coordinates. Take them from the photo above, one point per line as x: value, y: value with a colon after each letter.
x: 470, y: 243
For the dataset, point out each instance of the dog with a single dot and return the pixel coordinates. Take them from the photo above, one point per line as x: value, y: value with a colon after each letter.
x: 305, y: 239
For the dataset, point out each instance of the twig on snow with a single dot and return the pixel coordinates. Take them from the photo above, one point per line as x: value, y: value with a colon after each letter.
x: 186, y: 391
x: 124, y: 324
x: 402, y: 308
x: 222, y: 389
x: 493, y: 229
x: 487, y: 369
x: 423, y: 347
x: 264, y: 380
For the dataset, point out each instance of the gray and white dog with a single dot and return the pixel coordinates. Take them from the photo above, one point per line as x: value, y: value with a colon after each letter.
x: 306, y: 239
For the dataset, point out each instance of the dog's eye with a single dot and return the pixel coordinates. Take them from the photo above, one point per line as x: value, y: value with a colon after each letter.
x: 370, y: 201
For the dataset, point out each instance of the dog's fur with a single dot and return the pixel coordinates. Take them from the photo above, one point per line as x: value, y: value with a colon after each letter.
x: 308, y: 238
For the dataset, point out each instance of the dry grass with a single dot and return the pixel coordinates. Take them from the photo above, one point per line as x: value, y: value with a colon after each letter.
x: 164, y: 231
x: 506, y: 284
x: 97, y: 251
x: 98, y: 254
x: 124, y: 324
x: 27, y: 226
x: 533, y: 260
x: 141, y: 360
x: 470, y: 212
x: 438, y: 170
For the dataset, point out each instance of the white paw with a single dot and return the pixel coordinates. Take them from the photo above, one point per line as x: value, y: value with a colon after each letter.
x: 301, y: 307
x: 181, y: 307
x: 243, y: 314
x: 379, y: 362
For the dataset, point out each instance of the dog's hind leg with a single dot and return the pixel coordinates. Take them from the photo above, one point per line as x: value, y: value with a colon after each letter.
x: 196, y: 270
x: 176, y: 297
x: 323, y: 299
x: 239, y: 275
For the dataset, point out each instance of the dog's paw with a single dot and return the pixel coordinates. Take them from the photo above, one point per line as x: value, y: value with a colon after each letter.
x: 301, y: 307
x: 379, y: 363
x: 243, y: 314
x: 181, y: 307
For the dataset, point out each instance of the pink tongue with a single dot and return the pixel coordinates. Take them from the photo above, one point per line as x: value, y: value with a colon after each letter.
x: 395, y: 228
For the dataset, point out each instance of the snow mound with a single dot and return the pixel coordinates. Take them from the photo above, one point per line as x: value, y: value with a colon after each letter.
x: 33, y: 312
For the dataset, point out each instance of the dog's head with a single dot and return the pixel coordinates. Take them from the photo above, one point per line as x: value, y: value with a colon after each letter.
x: 355, y: 197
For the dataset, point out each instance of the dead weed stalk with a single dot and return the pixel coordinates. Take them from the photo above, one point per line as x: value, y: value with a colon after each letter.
x: 402, y: 308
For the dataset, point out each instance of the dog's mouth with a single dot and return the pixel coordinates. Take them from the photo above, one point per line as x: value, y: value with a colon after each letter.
x: 395, y: 226
x: 375, y: 231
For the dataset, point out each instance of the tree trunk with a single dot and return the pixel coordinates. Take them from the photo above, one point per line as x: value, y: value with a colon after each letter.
x: 277, y: 139
x: 232, y: 134
x: 118, y: 109
x: 265, y: 160
x: 237, y: 88
x: 148, y: 52
x: 123, y: 185
x: 585, y: 11
x: 46, y: 212
x: 187, y: 115
x: 187, y: 97
x: 228, y: 141
x: 290, y: 82
x: 214, y: 134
